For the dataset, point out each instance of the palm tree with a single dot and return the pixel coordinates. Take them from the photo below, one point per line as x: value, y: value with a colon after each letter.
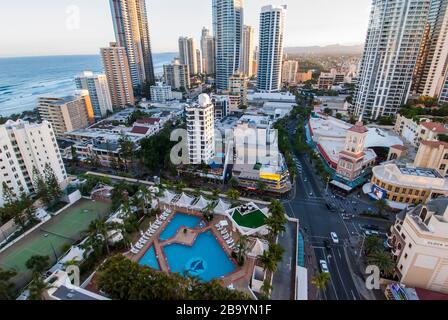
x: 243, y: 246
x: 320, y: 280
x: 267, y: 262
x: 6, y: 287
x: 233, y: 194
x: 97, y: 235
x: 208, y: 212
x: 234, y: 183
x: 372, y: 244
x: 38, y: 287
x: 276, y: 251
x: 275, y: 225
x: 382, y: 206
x: 382, y: 260
x: 266, y: 288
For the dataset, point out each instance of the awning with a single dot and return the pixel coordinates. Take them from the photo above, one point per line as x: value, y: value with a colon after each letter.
x: 341, y: 185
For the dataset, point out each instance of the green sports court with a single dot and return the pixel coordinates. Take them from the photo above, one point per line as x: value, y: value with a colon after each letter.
x: 51, y: 238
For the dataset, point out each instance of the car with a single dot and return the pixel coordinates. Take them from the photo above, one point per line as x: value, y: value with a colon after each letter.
x: 371, y: 233
x: 305, y: 179
x: 371, y: 227
x: 334, y: 237
x: 323, y: 266
x: 311, y: 193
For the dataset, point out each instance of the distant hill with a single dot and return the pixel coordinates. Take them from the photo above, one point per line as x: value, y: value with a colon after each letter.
x: 330, y: 49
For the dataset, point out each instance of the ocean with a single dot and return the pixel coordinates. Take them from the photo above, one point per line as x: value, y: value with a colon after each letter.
x: 23, y: 80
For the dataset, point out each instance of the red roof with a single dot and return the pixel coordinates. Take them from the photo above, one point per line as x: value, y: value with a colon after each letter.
x: 434, y: 143
x: 398, y: 147
x: 424, y: 294
x: 140, y: 130
x: 359, y: 128
x: 148, y: 120
x: 435, y: 127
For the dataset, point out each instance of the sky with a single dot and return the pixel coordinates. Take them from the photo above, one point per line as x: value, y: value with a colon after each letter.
x: 59, y: 27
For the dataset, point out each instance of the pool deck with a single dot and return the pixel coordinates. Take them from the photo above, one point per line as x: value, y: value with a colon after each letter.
x: 240, y: 278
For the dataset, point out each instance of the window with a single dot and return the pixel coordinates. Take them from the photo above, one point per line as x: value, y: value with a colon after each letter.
x: 405, y: 255
x: 410, y: 245
x: 442, y: 166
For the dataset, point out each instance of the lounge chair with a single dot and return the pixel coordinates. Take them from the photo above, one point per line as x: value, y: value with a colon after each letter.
x: 226, y: 237
x: 135, y: 251
x: 231, y: 246
x: 230, y: 241
x: 164, y: 218
x: 138, y: 246
x: 224, y: 231
x: 142, y: 241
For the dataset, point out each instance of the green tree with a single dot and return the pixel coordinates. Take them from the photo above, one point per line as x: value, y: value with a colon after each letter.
x: 6, y: 287
x: 320, y: 280
x: 127, y: 149
x: 243, y: 247
x: 51, y: 182
x: 38, y: 264
x: 382, y: 206
x: 233, y: 195
x: 267, y: 262
x: 383, y: 260
x: 38, y: 288
x: 372, y: 244
x: 234, y: 183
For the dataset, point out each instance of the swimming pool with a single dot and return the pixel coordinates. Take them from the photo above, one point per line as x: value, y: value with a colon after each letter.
x: 150, y: 259
x: 206, y: 259
x: 179, y: 220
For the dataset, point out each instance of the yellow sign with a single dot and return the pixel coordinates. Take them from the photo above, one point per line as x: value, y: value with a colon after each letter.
x: 270, y: 176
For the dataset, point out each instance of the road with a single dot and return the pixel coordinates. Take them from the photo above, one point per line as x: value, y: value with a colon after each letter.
x: 308, y: 204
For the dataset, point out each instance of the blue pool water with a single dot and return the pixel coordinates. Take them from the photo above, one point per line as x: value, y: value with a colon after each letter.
x: 179, y: 220
x: 150, y: 259
x: 206, y: 259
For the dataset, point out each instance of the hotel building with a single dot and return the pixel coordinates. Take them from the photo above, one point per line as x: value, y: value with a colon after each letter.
x: 272, y: 20
x: 228, y: 33
x: 131, y: 28
x: 177, y: 75
x: 208, y: 52
x: 188, y: 54
x: 391, y: 49
x: 200, y: 130
x: 23, y: 147
x: 419, y: 242
x: 119, y: 78
x: 67, y: 113
x: 99, y: 92
x: 248, y: 51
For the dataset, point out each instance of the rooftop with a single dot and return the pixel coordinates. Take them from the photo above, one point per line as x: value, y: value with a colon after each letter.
x: 435, y: 127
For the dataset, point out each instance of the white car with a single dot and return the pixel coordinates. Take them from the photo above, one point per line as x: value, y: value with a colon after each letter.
x: 334, y: 237
x: 324, y: 266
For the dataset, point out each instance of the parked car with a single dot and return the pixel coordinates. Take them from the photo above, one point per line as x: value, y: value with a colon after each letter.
x: 324, y: 266
x: 334, y: 237
x: 371, y: 227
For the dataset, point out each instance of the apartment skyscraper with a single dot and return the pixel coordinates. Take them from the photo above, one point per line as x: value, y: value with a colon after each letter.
x: 132, y: 32
x: 392, y: 46
x: 227, y: 30
x: 208, y: 52
x: 67, y: 113
x: 119, y: 78
x: 201, y: 130
x: 431, y: 68
x: 188, y: 55
x: 289, y: 71
x: 272, y: 19
x: 26, y: 147
x: 99, y: 92
x: 176, y: 75
x: 248, y: 51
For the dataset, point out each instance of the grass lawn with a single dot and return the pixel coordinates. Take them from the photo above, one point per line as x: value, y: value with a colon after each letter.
x: 252, y: 220
x: 51, y: 238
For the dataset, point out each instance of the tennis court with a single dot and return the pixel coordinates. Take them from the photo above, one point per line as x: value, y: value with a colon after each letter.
x: 51, y: 238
